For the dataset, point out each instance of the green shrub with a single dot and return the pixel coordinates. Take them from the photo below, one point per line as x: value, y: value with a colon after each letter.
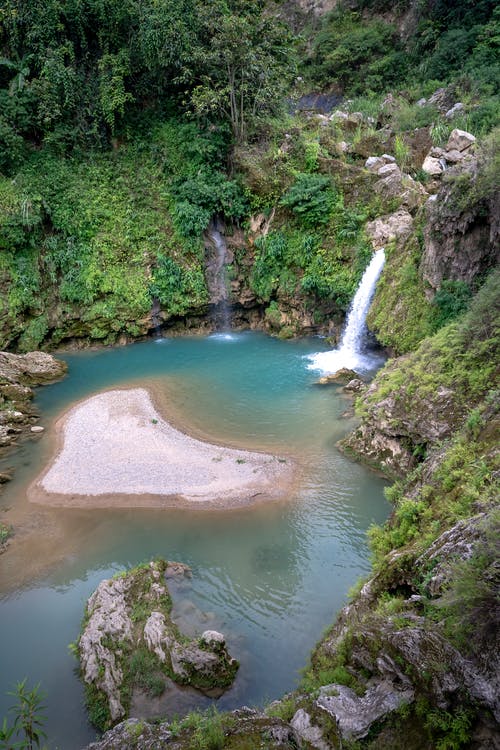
x: 311, y: 199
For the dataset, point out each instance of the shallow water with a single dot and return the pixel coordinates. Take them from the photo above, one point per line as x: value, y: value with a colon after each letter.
x: 271, y: 577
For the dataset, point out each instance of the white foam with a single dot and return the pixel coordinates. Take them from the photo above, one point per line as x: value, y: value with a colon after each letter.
x: 349, y: 353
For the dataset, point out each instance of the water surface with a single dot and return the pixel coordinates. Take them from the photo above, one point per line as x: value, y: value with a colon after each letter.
x: 270, y: 577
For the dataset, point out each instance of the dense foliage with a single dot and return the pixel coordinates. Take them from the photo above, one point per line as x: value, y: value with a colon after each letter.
x: 439, y: 41
x: 76, y: 72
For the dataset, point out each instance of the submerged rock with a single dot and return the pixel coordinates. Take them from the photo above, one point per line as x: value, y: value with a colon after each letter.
x: 129, y: 640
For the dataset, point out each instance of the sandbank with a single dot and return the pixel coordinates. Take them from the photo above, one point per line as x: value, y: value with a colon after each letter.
x: 116, y: 450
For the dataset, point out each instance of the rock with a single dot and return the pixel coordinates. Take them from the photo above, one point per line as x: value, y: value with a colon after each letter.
x: 355, y: 715
x: 457, y: 109
x: 433, y: 166
x: 421, y: 102
x: 301, y: 722
x: 134, y: 734
x: 131, y: 611
x: 460, y: 140
x: 442, y: 99
x: 462, y: 233
x: 344, y: 375
x: 396, y: 226
x: 205, y: 665
x: 374, y: 163
x: 453, y: 157
x: 388, y: 169
x: 36, y: 428
x: 33, y: 368
x: 354, y: 386
x: 393, y: 185
x: 108, y: 621
x: 177, y: 570
x: 457, y: 543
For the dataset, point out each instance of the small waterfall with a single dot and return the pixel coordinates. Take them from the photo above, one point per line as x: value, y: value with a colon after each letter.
x: 349, y: 353
x: 216, y: 277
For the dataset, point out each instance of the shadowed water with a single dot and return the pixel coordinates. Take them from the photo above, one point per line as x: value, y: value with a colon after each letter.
x: 270, y: 577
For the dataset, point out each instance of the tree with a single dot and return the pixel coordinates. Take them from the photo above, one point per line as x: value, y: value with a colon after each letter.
x: 242, y: 71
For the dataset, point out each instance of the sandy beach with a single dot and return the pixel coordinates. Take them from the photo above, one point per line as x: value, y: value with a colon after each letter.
x: 115, y: 450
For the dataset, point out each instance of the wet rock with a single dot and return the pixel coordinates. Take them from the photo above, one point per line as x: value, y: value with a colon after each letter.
x: 355, y: 715
x: 460, y: 140
x: 342, y: 376
x: 37, y: 429
x: 177, y: 570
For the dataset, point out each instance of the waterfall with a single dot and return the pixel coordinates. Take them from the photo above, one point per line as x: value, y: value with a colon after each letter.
x: 350, y: 350
x: 216, y: 277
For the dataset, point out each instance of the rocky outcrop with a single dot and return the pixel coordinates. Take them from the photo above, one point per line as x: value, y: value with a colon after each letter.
x: 18, y: 374
x: 401, y: 424
x: 395, y: 227
x: 128, y: 620
x: 355, y: 715
x: 244, y: 728
x: 462, y: 232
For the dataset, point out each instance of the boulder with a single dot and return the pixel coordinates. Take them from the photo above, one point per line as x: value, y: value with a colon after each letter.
x: 453, y: 156
x: 460, y: 140
x: 457, y: 109
x: 342, y: 376
x: 374, y: 163
x: 355, y: 715
x: 312, y: 734
x: 33, y: 368
x: 354, y: 386
x: 396, y: 226
x: 433, y: 166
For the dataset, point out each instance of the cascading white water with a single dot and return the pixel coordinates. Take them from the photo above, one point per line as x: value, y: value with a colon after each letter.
x: 217, y: 279
x: 349, y: 353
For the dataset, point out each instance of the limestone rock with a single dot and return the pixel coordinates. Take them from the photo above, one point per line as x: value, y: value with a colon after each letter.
x: 457, y: 109
x: 301, y: 722
x: 108, y: 620
x: 392, y: 184
x: 461, y: 244
x: 374, y: 163
x: 33, y: 368
x: 460, y: 140
x: 453, y: 156
x: 454, y: 544
x: 132, y: 611
x: 396, y: 226
x: 342, y: 376
x: 433, y: 166
x: 354, y: 386
x: 355, y: 715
